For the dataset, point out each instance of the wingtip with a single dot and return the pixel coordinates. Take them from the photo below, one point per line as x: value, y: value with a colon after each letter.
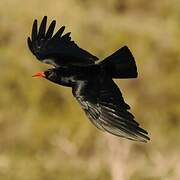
x: 34, y: 30
x: 50, y: 30
x: 29, y: 42
x: 45, y: 17
x: 42, y: 28
x: 66, y: 36
x: 44, y: 20
x: 35, y: 21
x: 62, y: 28
x: 59, y: 32
x: 28, y: 39
x: 144, y: 138
x: 53, y: 21
x: 139, y: 138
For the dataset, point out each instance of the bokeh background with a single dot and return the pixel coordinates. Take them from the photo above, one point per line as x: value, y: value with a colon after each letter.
x: 44, y: 134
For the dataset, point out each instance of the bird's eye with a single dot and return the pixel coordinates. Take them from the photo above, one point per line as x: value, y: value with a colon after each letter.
x: 48, y: 72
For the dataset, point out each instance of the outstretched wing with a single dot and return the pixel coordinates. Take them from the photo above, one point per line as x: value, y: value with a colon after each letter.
x: 56, y: 49
x: 104, y: 105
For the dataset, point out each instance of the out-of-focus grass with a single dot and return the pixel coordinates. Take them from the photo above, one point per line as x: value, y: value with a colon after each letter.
x: 44, y: 133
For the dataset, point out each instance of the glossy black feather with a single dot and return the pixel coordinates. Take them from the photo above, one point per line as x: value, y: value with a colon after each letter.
x: 104, y: 105
x: 34, y: 31
x: 42, y: 29
x: 66, y: 37
x: 30, y: 43
x: 59, y: 33
x: 58, y: 48
x: 50, y: 30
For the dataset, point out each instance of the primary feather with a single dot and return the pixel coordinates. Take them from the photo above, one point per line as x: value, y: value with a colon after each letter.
x: 57, y: 49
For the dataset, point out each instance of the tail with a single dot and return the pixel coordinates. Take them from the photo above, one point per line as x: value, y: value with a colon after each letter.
x: 120, y: 64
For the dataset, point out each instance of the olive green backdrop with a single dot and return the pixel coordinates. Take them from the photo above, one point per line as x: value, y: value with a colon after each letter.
x: 44, y: 134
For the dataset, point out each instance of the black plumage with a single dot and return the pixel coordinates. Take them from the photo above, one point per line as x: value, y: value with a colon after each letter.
x: 92, y: 84
x: 56, y: 49
x: 100, y: 98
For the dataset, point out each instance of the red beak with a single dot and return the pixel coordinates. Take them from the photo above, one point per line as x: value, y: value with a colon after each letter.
x: 39, y: 74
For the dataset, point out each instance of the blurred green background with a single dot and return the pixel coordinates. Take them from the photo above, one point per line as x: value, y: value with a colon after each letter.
x: 44, y: 134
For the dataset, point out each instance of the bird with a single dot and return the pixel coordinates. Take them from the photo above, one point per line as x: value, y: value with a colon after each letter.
x: 91, y: 82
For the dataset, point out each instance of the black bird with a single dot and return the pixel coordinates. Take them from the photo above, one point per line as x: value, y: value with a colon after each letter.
x: 91, y: 83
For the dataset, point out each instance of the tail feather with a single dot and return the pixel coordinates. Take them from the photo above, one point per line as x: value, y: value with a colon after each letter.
x: 120, y: 64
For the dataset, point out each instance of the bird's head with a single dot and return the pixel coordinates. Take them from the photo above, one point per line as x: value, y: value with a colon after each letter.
x: 48, y: 74
x: 57, y: 75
